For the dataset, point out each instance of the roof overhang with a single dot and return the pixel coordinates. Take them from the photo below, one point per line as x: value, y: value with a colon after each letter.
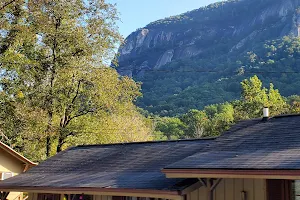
x: 16, y: 155
x: 232, y: 173
x: 99, y: 191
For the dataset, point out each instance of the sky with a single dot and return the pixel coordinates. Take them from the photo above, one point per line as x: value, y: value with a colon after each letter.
x: 136, y: 14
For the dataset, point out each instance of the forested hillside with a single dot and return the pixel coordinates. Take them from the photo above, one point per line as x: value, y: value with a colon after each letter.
x: 200, y: 57
x: 215, y: 119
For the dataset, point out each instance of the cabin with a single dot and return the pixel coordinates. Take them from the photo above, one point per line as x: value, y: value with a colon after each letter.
x: 257, y: 159
x: 11, y: 164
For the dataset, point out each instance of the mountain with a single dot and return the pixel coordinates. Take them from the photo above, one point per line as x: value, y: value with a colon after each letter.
x: 199, y: 57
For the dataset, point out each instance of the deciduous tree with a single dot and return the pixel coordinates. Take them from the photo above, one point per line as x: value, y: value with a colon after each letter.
x: 54, y: 59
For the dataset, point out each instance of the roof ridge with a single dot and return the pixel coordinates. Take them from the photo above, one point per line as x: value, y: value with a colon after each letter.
x: 271, y: 117
x: 286, y: 115
x: 145, y: 142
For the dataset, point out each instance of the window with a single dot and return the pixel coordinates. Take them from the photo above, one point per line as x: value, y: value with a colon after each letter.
x: 5, y: 175
x: 296, y: 190
x: 118, y: 198
x: 132, y: 198
x: 78, y: 197
x: 128, y: 198
x: 279, y: 189
x: 48, y: 196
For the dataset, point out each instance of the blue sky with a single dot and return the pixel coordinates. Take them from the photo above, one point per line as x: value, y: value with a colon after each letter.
x: 138, y: 13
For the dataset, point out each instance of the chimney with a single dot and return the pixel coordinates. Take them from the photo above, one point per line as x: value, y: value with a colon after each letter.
x: 266, y: 114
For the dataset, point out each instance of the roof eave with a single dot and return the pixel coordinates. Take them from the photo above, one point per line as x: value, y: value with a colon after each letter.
x: 233, y: 173
x: 15, y: 154
x: 98, y: 191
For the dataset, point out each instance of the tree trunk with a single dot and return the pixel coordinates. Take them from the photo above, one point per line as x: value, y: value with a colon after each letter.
x: 62, y: 135
x: 49, y: 98
x: 60, y: 143
x: 48, y: 131
x: 48, y: 146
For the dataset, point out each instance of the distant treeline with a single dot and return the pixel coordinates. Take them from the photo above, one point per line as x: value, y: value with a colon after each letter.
x: 217, y: 118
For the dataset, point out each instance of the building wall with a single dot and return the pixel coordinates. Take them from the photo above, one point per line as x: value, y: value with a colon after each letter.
x: 230, y: 189
x: 34, y: 196
x: 98, y: 197
x: 10, y: 164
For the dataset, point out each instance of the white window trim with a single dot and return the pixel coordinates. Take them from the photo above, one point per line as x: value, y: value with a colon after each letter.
x: 4, y: 173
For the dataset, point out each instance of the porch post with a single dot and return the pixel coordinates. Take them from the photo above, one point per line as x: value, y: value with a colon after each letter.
x: 209, y: 191
x: 210, y: 186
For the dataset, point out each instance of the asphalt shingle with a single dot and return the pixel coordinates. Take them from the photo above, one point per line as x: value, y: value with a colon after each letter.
x: 253, y: 144
x: 125, y: 166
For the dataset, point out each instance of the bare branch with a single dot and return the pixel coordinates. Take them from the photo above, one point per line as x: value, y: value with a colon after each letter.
x: 77, y: 91
x: 66, y: 119
x: 79, y: 115
x: 77, y: 52
x: 82, y: 114
x: 7, y: 4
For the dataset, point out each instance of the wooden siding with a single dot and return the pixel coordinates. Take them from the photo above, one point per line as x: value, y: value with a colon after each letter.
x: 230, y: 189
x: 34, y: 196
x: 98, y: 197
x: 101, y: 197
x: 10, y: 164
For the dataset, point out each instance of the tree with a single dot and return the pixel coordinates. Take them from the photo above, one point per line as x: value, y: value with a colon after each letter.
x: 252, y: 56
x: 276, y: 102
x: 294, y: 102
x: 11, y: 26
x: 4, y: 4
x: 122, y: 126
x: 58, y: 63
x: 196, y: 122
x: 220, y: 119
x: 170, y: 127
x: 255, y: 97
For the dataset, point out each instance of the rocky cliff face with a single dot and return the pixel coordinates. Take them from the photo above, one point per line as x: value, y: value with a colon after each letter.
x: 171, y: 56
x: 226, y: 28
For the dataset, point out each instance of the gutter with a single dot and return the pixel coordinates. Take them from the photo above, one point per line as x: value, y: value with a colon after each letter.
x: 233, y: 173
x: 98, y: 191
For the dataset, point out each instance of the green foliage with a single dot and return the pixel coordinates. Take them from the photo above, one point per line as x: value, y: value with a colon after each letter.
x: 255, y: 97
x: 276, y: 102
x: 172, y: 92
x: 211, y: 121
x: 196, y: 121
x: 294, y: 103
x: 221, y: 120
x: 169, y: 128
x: 216, y: 118
x: 55, y: 79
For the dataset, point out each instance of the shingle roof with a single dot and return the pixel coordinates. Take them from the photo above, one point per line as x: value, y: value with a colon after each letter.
x: 131, y: 165
x: 252, y: 144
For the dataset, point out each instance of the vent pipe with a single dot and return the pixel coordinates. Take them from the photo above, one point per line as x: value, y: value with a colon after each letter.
x: 266, y: 114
